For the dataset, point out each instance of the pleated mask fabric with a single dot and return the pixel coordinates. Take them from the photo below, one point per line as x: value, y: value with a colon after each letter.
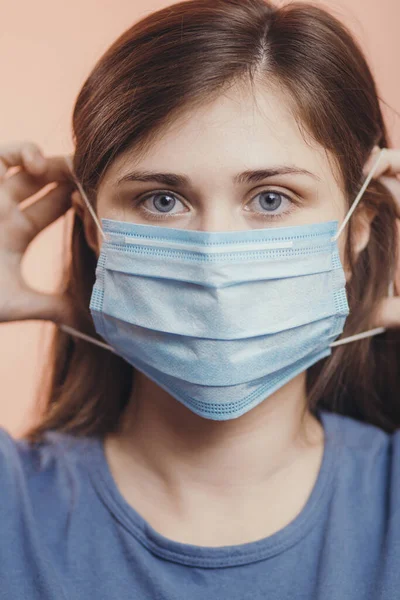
x: 219, y: 319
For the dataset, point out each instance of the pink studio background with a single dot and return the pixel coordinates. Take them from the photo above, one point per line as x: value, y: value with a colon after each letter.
x: 47, y: 49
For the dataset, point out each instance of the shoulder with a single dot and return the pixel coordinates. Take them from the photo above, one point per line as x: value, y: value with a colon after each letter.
x: 364, y: 511
x: 39, y: 482
x: 21, y: 461
x: 361, y: 443
x: 368, y: 469
x: 46, y: 509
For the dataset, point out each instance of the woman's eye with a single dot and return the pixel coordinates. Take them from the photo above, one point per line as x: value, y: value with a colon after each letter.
x: 272, y: 203
x: 267, y: 203
x: 161, y: 203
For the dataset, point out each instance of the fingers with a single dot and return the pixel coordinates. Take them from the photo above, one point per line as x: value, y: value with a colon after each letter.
x: 31, y: 159
x: 48, y: 307
x: 47, y: 209
x: 57, y: 170
x: 22, y: 185
x: 24, y: 154
x: 389, y: 162
x: 36, y: 172
x: 388, y: 313
x: 393, y: 185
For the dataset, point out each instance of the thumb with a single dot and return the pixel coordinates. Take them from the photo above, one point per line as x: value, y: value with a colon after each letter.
x: 47, y: 307
x: 388, y: 313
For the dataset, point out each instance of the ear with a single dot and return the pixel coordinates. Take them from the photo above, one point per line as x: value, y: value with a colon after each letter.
x: 89, y: 225
x: 361, y: 231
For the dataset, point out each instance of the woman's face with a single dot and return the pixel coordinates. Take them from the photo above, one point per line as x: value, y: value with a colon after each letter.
x: 225, y: 167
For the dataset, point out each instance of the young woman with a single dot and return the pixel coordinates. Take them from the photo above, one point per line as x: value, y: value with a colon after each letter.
x: 223, y: 409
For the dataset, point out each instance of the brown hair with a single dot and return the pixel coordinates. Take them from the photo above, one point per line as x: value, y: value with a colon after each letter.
x: 177, y: 58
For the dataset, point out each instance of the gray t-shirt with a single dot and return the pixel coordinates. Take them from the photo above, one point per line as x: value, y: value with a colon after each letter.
x: 66, y: 531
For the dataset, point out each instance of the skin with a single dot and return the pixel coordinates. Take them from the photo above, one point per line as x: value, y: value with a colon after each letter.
x: 195, y: 480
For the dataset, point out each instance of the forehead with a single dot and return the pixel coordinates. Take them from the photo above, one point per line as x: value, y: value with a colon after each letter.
x: 242, y: 128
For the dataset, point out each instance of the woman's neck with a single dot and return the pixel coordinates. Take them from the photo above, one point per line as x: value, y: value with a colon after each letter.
x: 179, y: 445
x: 165, y: 451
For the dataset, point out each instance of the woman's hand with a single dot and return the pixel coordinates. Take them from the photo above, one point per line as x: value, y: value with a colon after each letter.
x: 388, y: 314
x: 18, y: 227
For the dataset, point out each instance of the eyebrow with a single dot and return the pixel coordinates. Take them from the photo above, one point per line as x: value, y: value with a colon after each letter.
x: 178, y: 180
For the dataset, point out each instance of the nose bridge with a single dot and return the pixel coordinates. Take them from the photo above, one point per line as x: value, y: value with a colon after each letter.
x: 221, y: 213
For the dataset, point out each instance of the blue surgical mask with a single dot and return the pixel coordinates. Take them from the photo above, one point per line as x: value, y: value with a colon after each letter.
x: 220, y: 320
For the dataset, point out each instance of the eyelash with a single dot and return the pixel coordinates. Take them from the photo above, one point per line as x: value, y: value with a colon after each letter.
x: 159, y: 217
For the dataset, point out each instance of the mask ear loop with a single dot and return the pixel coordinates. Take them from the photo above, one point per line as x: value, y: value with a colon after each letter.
x: 359, y: 196
x: 376, y: 330
x: 83, y: 194
x: 67, y: 328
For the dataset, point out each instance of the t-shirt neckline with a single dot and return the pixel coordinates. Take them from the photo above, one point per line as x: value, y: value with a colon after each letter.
x: 222, y: 556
